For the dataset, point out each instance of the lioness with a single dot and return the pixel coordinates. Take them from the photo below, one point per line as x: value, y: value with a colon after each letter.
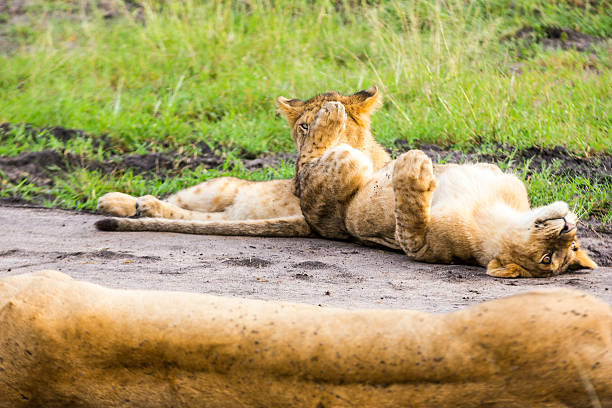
x: 65, y: 343
x: 346, y: 186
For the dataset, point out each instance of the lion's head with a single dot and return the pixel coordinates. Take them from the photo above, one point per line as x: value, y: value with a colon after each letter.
x: 543, y: 244
x: 359, y: 107
x: 356, y: 132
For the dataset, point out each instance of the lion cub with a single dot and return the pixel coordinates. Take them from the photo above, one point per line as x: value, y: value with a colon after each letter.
x: 232, y: 206
x: 346, y: 186
x: 472, y: 213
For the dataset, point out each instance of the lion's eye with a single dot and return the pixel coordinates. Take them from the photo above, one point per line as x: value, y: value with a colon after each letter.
x: 546, y: 259
x: 304, y: 126
x: 574, y: 246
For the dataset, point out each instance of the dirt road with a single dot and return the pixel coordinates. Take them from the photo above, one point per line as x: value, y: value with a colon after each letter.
x: 314, y: 271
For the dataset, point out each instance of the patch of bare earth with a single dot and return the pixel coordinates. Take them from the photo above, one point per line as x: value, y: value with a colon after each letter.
x: 556, y: 38
x: 315, y: 271
x: 41, y: 167
x: 560, y: 161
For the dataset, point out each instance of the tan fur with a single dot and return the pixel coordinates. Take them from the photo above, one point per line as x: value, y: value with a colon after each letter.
x: 292, y: 226
x: 65, y: 343
x: 477, y: 214
x: 347, y: 187
x: 225, y: 198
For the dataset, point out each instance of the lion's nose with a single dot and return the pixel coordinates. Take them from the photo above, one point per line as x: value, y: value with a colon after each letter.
x: 568, y: 226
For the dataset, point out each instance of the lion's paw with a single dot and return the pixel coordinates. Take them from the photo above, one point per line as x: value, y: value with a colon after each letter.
x: 413, y: 171
x: 117, y: 204
x: 149, y: 206
x: 410, y: 242
x: 331, y: 116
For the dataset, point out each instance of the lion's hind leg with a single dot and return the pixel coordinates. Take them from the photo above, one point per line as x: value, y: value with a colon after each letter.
x: 124, y: 205
x: 210, y: 196
x: 117, y: 204
x: 413, y: 186
x: 205, y: 201
x: 149, y: 206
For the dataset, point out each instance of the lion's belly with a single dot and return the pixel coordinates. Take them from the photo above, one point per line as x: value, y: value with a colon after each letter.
x: 370, y: 216
x: 478, y: 185
x: 463, y: 196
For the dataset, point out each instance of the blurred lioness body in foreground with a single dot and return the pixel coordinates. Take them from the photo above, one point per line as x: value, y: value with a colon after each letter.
x: 69, y: 343
x: 346, y: 187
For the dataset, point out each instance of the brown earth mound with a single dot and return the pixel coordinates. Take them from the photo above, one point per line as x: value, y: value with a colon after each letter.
x: 40, y: 167
x: 555, y: 37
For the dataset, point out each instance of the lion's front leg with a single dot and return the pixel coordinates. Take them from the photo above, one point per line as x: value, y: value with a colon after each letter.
x: 413, y: 185
x: 328, y: 174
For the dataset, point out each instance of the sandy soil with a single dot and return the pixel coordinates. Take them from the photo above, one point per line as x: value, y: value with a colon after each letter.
x: 315, y: 271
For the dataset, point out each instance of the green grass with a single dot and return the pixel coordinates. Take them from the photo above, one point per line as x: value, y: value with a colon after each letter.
x: 586, y: 198
x: 81, y: 188
x: 209, y: 71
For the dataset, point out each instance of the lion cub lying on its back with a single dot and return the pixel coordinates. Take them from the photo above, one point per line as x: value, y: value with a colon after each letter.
x: 346, y: 187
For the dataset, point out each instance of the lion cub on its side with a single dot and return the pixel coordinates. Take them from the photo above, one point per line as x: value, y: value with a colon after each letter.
x: 473, y: 214
x: 232, y: 206
x: 346, y: 187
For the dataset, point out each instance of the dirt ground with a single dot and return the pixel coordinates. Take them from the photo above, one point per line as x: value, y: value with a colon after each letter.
x: 315, y: 271
x: 555, y: 37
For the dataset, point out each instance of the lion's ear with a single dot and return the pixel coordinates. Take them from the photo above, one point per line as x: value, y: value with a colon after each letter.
x: 581, y: 261
x: 511, y: 270
x: 366, y: 101
x: 290, y: 108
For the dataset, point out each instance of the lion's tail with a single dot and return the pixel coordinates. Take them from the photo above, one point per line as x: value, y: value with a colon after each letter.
x: 294, y: 226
